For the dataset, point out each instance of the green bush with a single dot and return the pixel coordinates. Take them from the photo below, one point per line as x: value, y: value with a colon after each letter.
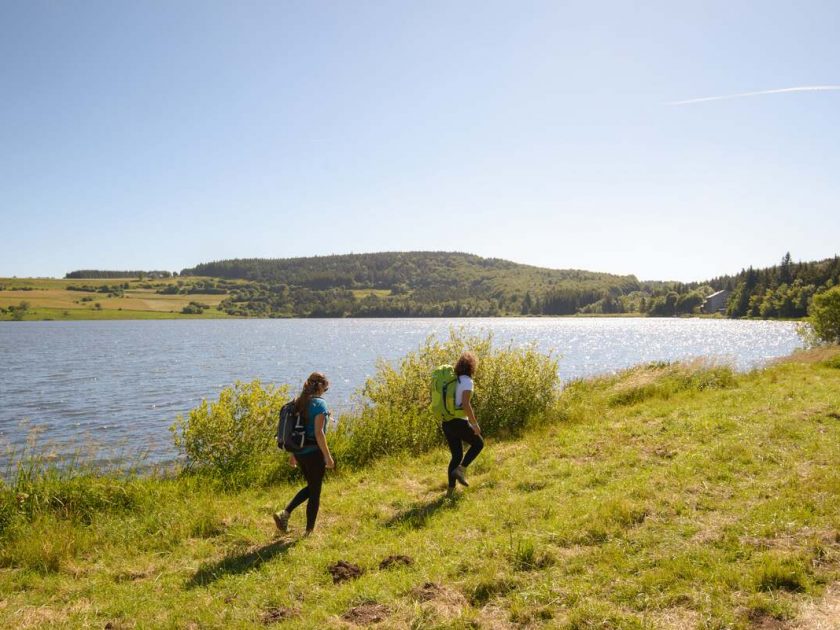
x: 194, y: 308
x: 824, y: 315
x: 513, y: 387
x: 232, y: 438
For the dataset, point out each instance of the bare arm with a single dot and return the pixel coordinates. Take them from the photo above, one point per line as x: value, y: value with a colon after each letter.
x: 466, y: 405
x: 321, y: 439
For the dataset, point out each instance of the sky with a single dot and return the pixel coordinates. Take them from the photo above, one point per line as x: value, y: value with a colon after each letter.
x: 159, y: 135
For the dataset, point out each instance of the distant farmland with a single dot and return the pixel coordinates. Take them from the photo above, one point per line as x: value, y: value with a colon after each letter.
x: 104, y: 299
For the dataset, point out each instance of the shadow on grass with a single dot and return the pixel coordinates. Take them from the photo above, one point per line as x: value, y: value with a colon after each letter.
x: 238, y: 563
x: 419, y: 514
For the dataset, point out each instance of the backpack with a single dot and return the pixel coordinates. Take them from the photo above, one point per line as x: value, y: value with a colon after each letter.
x: 443, y: 387
x: 291, y: 429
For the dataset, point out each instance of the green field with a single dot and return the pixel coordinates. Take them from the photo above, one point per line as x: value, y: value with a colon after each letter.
x: 663, y: 497
x: 50, y: 299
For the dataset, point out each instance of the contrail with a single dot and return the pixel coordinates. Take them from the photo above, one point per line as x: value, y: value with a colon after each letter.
x: 804, y: 88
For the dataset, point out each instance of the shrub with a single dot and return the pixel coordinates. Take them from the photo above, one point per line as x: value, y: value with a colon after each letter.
x: 513, y: 387
x: 195, y: 308
x: 19, y: 312
x: 824, y: 315
x: 232, y: 437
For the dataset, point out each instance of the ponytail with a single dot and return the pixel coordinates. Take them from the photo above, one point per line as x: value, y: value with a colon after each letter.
x: 311, y: 385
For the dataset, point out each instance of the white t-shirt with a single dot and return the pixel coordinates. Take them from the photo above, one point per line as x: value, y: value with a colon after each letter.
x: 465, y: 384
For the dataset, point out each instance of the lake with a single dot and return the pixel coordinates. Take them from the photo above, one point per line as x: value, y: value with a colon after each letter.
x: 120, y: 384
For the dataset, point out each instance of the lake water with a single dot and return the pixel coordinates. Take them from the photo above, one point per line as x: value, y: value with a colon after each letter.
x: 120, y: 384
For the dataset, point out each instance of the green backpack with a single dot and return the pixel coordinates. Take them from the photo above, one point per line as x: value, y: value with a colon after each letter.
x: 443, y: 387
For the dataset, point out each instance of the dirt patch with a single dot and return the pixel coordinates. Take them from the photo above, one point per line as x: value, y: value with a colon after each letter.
x: 32, y: 617
x: 822, y: 614
x: 276, y: 615
x: 440, y: 601
x: 664, y: 453
x: 492, y: 617
x: 677, y: 619
x: 131, y: 576
x: 396, y: 561
x: 367, y: 613
x: 342, y: 571
x: 427, y: 592
x: 763, y: 621
x: 531, y: 486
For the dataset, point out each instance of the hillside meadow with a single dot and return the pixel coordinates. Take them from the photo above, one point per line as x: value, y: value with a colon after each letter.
x: 665, y: 496
x: 52, y: 299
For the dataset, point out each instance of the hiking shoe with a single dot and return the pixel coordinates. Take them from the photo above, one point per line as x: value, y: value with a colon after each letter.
x: 281, y: 519
x: 460, y: 475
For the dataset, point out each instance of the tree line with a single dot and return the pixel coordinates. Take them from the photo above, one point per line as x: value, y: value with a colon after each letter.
x: 87, y: 274
x: 784, y: 290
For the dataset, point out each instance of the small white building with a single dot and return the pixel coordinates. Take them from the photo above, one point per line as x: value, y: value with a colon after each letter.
x: 716, y: 302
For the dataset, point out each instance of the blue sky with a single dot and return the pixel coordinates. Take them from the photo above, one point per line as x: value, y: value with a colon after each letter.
x: 157, y: 135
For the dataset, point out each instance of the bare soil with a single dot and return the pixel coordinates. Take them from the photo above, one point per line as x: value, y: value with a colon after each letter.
x: 342, y: 571
x: 396, y: 561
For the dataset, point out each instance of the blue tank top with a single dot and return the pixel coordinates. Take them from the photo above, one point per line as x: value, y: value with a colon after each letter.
x: 316, y: 406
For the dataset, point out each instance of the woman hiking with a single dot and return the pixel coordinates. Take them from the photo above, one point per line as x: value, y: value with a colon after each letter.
x: 315, y: 459
x: 463, y: 429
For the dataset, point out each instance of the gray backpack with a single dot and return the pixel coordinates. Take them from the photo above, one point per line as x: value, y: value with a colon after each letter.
x: 291, y: 429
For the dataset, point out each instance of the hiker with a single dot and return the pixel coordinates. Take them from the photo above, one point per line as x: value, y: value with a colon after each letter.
x: 313, y: 459
x: 459, y: 430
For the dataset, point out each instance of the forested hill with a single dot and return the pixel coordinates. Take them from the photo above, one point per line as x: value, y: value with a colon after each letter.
x: 408, y: 283
x: 389, y: 270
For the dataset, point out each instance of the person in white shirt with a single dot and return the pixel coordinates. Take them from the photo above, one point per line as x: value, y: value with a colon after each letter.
x: 466, y: 429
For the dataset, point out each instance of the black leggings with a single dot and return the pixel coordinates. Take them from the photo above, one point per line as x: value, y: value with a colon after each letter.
x: 312, y: 466
x: 457, y: 431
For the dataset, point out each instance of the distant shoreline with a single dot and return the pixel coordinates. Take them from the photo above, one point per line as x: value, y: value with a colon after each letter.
x: 52, y: 315
x: 197, y: 297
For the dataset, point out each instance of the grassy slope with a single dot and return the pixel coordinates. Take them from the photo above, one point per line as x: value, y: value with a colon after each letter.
x: 636, y: 506
x: 50, y: 299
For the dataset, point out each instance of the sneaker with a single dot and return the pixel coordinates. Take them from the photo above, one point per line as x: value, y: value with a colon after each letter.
x: 460, y: 475
x: 281, y: 519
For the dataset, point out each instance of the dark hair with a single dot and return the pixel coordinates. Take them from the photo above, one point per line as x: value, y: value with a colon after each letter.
x: 309, y: 388
x: 466, y: 365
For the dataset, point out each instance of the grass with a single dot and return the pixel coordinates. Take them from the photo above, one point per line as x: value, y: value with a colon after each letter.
x: 700, y: 501
x: 49, y: 299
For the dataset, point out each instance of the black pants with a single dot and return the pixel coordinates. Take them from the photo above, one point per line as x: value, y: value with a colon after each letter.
x: 457, y: 431
x: 313, y: 467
